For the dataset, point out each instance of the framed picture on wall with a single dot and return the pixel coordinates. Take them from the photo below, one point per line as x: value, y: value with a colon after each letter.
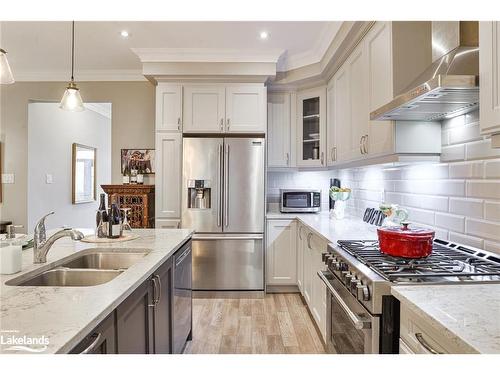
x: 83, y: 174
x: 140, y: 159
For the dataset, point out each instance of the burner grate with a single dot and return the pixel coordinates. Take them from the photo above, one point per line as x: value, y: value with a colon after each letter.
x: 443, y: 262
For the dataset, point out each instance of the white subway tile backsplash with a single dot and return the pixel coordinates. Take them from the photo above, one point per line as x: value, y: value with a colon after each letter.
x: 459, y: 198
x: 483, y: 189
x: 481, y: 150
x: 420, y: 216
x: 464, y: 134
x: 468, y: 169
x: 467, y: 207
x: 483, y: 228
x: 492, y: 211
x: 453, y: 153
x: 451, y: 222
x: 466, y: 240
x: 492, y: 246
x: 430, y: 202
x: 492, y: 168
x: 472, y: 117
x: 455, y: 122
x: 431, y: 187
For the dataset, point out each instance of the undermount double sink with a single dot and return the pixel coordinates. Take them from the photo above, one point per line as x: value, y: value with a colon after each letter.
x: 94, y: 267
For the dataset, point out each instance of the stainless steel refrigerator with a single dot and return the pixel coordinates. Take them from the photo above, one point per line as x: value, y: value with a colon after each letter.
x: 223, y: 201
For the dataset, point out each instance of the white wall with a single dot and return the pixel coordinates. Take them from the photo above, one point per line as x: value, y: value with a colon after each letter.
x: 459, y: 198
x: 51, y: 133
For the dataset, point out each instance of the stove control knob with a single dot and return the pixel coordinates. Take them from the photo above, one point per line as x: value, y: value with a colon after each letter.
x: 347, y: 278
x: 362, y: 292
x: 343, y: 266
x: 329, y: 261
x: 324, y: 257
x: 354, y: 284
x: 336, y: 265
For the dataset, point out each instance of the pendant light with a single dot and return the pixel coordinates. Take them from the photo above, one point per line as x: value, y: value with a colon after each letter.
x: 71, y: 100
x: 6, y: 77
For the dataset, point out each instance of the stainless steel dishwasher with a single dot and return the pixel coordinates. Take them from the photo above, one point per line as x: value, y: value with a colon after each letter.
x: 182, y: 303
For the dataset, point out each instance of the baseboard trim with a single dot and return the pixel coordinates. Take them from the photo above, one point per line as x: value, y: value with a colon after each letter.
x: 282, y: 289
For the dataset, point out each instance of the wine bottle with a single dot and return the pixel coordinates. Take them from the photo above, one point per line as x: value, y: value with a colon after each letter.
x: 102, y: 218
x: 126, y: 177
x: 133, y: 176
x: 114, y: 226
x: 140, y: 176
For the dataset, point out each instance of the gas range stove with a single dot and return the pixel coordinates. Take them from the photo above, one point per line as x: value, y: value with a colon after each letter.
x: 368, y: 274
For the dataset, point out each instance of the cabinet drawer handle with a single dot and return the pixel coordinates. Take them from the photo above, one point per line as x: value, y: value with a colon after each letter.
x: 155, y: 291
x: 159, y: 290
x: 309, y: 240
x: 425, y: 344
x: 92, y: 345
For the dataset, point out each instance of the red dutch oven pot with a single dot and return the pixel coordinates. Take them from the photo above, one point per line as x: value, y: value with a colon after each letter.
x: 405, y: 242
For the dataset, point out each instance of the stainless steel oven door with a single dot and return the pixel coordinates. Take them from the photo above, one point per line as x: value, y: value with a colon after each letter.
x: 350, y: 328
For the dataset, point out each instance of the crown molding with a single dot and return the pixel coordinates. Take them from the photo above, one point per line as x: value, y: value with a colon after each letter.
x: 151, y: 55
x: 82, y: 75
x: 104, y: 109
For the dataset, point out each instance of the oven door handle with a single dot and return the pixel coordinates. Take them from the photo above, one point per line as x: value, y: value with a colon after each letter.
x: 355, y: 319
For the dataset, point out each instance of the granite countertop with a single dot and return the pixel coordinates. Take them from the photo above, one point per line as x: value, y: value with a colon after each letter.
x: 466, y: 314
x: 349, y: 228
x: 65, y: 315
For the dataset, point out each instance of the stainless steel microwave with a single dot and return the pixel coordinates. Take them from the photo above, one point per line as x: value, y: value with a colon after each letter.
x: 300, y: 200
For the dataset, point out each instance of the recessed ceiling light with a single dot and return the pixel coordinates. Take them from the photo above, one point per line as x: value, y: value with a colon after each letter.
x: 124, y: 33
x: 264, y: 35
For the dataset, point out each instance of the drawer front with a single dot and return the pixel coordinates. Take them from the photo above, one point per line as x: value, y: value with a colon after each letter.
x: 421, y: 337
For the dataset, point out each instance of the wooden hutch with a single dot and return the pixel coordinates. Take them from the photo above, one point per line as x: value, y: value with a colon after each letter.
x: 139, y: 198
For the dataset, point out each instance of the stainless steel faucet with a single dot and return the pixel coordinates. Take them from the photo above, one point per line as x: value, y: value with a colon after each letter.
x: 42, y: 245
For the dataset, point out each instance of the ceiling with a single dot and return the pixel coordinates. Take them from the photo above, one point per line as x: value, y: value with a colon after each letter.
x: 41, y: 50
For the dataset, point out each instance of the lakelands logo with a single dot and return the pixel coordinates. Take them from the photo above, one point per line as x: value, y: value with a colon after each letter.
x: 11, y: 341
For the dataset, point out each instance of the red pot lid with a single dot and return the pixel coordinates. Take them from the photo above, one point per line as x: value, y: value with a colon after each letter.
x: 405, y: 230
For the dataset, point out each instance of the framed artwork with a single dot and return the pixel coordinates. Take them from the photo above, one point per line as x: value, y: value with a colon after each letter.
x: 140, y: 159
x: 83, y: 179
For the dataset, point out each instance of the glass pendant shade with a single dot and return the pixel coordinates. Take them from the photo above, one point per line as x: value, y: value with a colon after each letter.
x: 71, y: 100
x: 6, y: 77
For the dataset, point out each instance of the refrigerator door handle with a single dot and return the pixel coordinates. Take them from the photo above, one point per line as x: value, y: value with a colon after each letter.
x: 226, y: 187
x: 219, y: 184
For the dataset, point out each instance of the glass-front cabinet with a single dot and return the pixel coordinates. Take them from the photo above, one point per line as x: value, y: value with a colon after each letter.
x: 311, y: 128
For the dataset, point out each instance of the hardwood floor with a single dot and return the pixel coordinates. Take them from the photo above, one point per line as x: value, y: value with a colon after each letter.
x: 276, y: 324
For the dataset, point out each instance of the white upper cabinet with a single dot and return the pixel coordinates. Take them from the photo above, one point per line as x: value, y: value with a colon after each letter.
x: 246, y: 109
x: 168, y: 107
x: 489, y: 76
x: 168, y: 175
x: 364, y: 83
x: 378, y: 46
x: 357, y: 65
x: 278, y: 130
x: 204, y: 108
x: 340, y: 125
x: 218, y: 108
x: 311, y: 128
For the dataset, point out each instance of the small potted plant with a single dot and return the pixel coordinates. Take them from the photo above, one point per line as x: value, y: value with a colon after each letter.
x: 340, y: 196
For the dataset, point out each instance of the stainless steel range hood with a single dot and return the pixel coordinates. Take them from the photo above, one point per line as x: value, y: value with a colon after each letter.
x: 447, y: 88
